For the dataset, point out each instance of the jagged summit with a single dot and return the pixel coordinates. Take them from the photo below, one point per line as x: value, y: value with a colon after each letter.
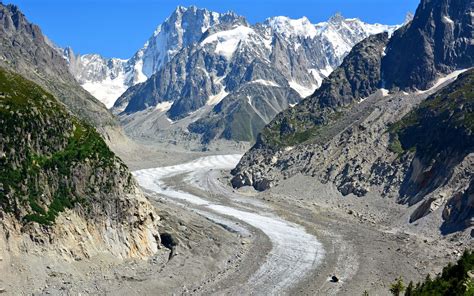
x: 292, y: 27
x: 337, y: 18
x: 409, y: 17
x: 107, y: 79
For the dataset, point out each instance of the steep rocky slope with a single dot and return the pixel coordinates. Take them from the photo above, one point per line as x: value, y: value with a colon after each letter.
x: 440, y: 135
x: 25, y: 50
x: 341, y: 134
x: 61, y: 189
x: 353, y: 81
x: 440, y: 39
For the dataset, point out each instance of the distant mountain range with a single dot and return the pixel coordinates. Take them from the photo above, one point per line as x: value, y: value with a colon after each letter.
x: 224, y: 77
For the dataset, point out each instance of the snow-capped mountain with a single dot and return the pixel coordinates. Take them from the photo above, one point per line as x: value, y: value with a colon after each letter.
x: 107, y: 79
x: 223, y: 67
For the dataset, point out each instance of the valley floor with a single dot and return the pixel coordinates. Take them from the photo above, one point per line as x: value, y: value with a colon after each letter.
x: 289, y: 240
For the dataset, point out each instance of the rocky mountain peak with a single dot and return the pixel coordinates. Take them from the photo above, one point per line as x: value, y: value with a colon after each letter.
x: 68, y: 52
x: 25, y: 50
x: 13, y: 20
x: 292, y: 27
x: 408, y: 17
x: 337, y: 18
x: 180, y: 9
x: 107, y: 79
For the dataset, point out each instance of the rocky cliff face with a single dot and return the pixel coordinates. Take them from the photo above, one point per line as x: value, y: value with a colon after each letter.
x: 440, y: 39
x: 440, y: 133
x: 342, y: 135
x: 238, y: 77
x: 25, y: 50
x: 61, y: 188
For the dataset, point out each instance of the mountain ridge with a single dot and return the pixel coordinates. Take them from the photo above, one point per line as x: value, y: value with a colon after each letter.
x: 27, y: 51
x: 129, y: 68
x: 61, y: 187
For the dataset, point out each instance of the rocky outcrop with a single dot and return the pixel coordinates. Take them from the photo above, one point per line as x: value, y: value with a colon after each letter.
x: 440, y: 130
x: 440, y: 41
x: 25, y: 50
x: 61, y: 189
x: 459, y: 211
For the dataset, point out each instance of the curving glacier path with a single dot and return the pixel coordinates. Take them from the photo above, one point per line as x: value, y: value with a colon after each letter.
x: 294, y: 253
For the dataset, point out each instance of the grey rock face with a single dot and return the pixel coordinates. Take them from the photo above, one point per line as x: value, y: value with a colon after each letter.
x: 242, y: 114
x: 357, y: 78
x: 437, y: 41
x: 459, y: 211
x: 441, y: 133
x: 24, y: 49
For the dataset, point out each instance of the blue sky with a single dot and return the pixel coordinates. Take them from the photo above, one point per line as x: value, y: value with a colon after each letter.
x: 117, y: 28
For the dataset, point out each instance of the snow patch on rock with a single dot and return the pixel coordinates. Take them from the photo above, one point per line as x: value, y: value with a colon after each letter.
x: 303, y: 91
x: 265, y: 82
x: 216, y: 99
x: 227, y: 41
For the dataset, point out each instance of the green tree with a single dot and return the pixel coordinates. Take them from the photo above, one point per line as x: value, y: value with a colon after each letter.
x: 409, y: 290
x: 456, y: 279
x: 397, y: 287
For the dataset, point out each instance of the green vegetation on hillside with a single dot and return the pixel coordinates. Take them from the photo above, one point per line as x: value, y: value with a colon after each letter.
x: 292, y: 130
x: 40, y: 146
x: 456, y: 280
x: 445, y: 118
